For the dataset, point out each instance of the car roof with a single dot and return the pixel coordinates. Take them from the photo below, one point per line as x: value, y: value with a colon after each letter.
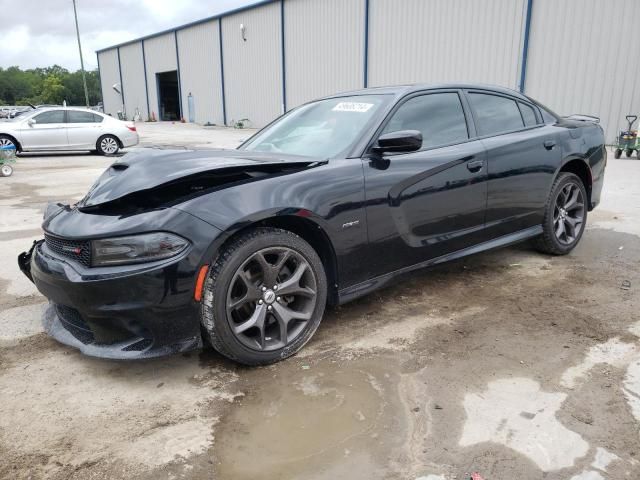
x: 400, y: 90
x: 77, y: 109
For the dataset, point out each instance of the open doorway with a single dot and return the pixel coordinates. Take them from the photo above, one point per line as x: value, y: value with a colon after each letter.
x: 168, y: 95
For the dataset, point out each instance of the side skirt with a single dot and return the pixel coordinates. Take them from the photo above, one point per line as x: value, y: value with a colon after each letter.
x: 355, y: 291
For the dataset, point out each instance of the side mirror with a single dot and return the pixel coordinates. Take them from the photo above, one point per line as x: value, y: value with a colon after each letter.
x: 399, y: 142
x: 31, y: 122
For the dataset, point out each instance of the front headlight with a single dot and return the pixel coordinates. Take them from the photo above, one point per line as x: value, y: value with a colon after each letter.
x: 136, y: 248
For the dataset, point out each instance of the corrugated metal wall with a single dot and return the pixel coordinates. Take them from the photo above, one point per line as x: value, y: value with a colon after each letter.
x: 584, y: 57
x: 445, y: 40
x: 135, y: 94
x: 160, y: 54
x: 109, y: 76
x: 199, y: 49
x: 575, y: 63
x: 253, y: 68
x: 324, y: 48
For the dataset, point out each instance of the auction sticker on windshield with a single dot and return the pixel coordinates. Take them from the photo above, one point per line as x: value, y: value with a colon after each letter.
x: 352, y: 107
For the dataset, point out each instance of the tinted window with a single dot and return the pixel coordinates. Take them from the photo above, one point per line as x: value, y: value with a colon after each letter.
x: 54, y: 116
x: 528, y: 115
x: 438, y: 116
x: 547, y: 117
x: 320, y: 129
x: 494, y: 114
x: 82, y: 117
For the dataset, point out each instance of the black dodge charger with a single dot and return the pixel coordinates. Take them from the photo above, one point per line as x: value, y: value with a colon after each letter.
x: 245, y: 248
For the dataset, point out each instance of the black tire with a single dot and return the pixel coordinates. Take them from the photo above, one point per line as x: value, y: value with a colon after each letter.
x: 552, y: 242
x: 628, y: 152
x: 108, y: 145
x: 617, y: 153
x: 221, y: 321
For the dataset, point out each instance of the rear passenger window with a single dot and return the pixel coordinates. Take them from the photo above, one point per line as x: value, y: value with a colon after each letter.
x: 528, y: 115
x: 75, y: 116
x: 494, y: 114
x: 438, y: 116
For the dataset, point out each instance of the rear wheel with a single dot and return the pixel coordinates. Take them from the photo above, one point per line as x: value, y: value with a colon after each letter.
x: 565, y: 216
x: 6, y: 170
x: 628, y: 152
x: 108, y: 145
x: 264, y: 297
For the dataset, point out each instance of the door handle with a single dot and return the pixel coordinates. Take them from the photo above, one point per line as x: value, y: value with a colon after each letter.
x: 549, y: 144
x: 475, y: 166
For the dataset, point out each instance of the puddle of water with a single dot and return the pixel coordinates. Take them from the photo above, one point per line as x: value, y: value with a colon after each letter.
x: 329, y: 421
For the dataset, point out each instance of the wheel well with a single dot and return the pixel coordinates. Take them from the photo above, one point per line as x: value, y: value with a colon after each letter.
x: 579, y: 168
x: 314, y: 236
x: 14, y: 140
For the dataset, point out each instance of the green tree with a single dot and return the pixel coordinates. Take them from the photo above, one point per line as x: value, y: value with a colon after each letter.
x: 52, y: 90
x: 52, y: 84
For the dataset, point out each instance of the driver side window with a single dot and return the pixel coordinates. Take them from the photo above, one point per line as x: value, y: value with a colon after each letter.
x: 438, y: 116
x: 53, y: 116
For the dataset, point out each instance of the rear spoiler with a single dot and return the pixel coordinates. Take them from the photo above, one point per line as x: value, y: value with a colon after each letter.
x: 583, y: 118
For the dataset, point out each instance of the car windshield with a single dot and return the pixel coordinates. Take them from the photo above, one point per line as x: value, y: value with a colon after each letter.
x: 21, y: 116
x: 320, y: 129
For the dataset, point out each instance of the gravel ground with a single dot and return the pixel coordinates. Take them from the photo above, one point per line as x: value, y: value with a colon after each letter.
x: 509, y: 363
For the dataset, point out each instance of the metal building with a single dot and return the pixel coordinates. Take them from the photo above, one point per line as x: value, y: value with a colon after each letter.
x: 254, y: 63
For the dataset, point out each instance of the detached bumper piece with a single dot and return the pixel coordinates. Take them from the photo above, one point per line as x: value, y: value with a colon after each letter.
x: 24, y: 260
x: 67, y: 326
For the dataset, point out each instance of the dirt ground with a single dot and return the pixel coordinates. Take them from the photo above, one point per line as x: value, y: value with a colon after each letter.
x: 510, y: 363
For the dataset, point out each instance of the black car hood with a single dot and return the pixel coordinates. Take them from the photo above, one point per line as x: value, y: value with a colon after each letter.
x: 149, y: 169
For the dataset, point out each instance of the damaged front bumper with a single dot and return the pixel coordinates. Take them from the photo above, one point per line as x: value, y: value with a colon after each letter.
x: 125, y: 312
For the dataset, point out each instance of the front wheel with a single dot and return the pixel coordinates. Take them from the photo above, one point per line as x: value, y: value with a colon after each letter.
x: 617, y: 153
x: 6, y: 170
x: 565, y: 216
x: 108, y: 145
x: 264, y: 297
x: 628, y: 152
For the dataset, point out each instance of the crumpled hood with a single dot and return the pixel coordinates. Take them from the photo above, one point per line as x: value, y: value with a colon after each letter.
x: 149, y: 168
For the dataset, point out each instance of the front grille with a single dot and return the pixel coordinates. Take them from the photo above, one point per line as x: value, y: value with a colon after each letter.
x: 78, y: 250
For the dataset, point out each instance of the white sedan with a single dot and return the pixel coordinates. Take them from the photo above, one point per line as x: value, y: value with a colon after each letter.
x: 66, y: 129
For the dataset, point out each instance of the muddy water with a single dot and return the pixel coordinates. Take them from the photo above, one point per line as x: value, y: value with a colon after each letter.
x: 336, y: 419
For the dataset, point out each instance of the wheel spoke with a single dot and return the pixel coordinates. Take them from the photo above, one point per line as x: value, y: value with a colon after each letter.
x: 285, y: 314
x: 256, y: 320
x: 575, y: 206
x: 291, y: 286
x: 560, y: 229
x: 572, y: 199
x: 253, y: 292
x: 569, y: 229
x: 269, y: 271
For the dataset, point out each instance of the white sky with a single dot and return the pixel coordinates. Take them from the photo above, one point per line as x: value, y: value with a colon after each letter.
x: 40, y: 33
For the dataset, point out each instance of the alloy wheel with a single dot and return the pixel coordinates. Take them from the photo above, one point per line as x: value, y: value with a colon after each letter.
x: 5, y: 142
x: 271, y: 298
x: 109, y: 145
x: 568, y: 214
